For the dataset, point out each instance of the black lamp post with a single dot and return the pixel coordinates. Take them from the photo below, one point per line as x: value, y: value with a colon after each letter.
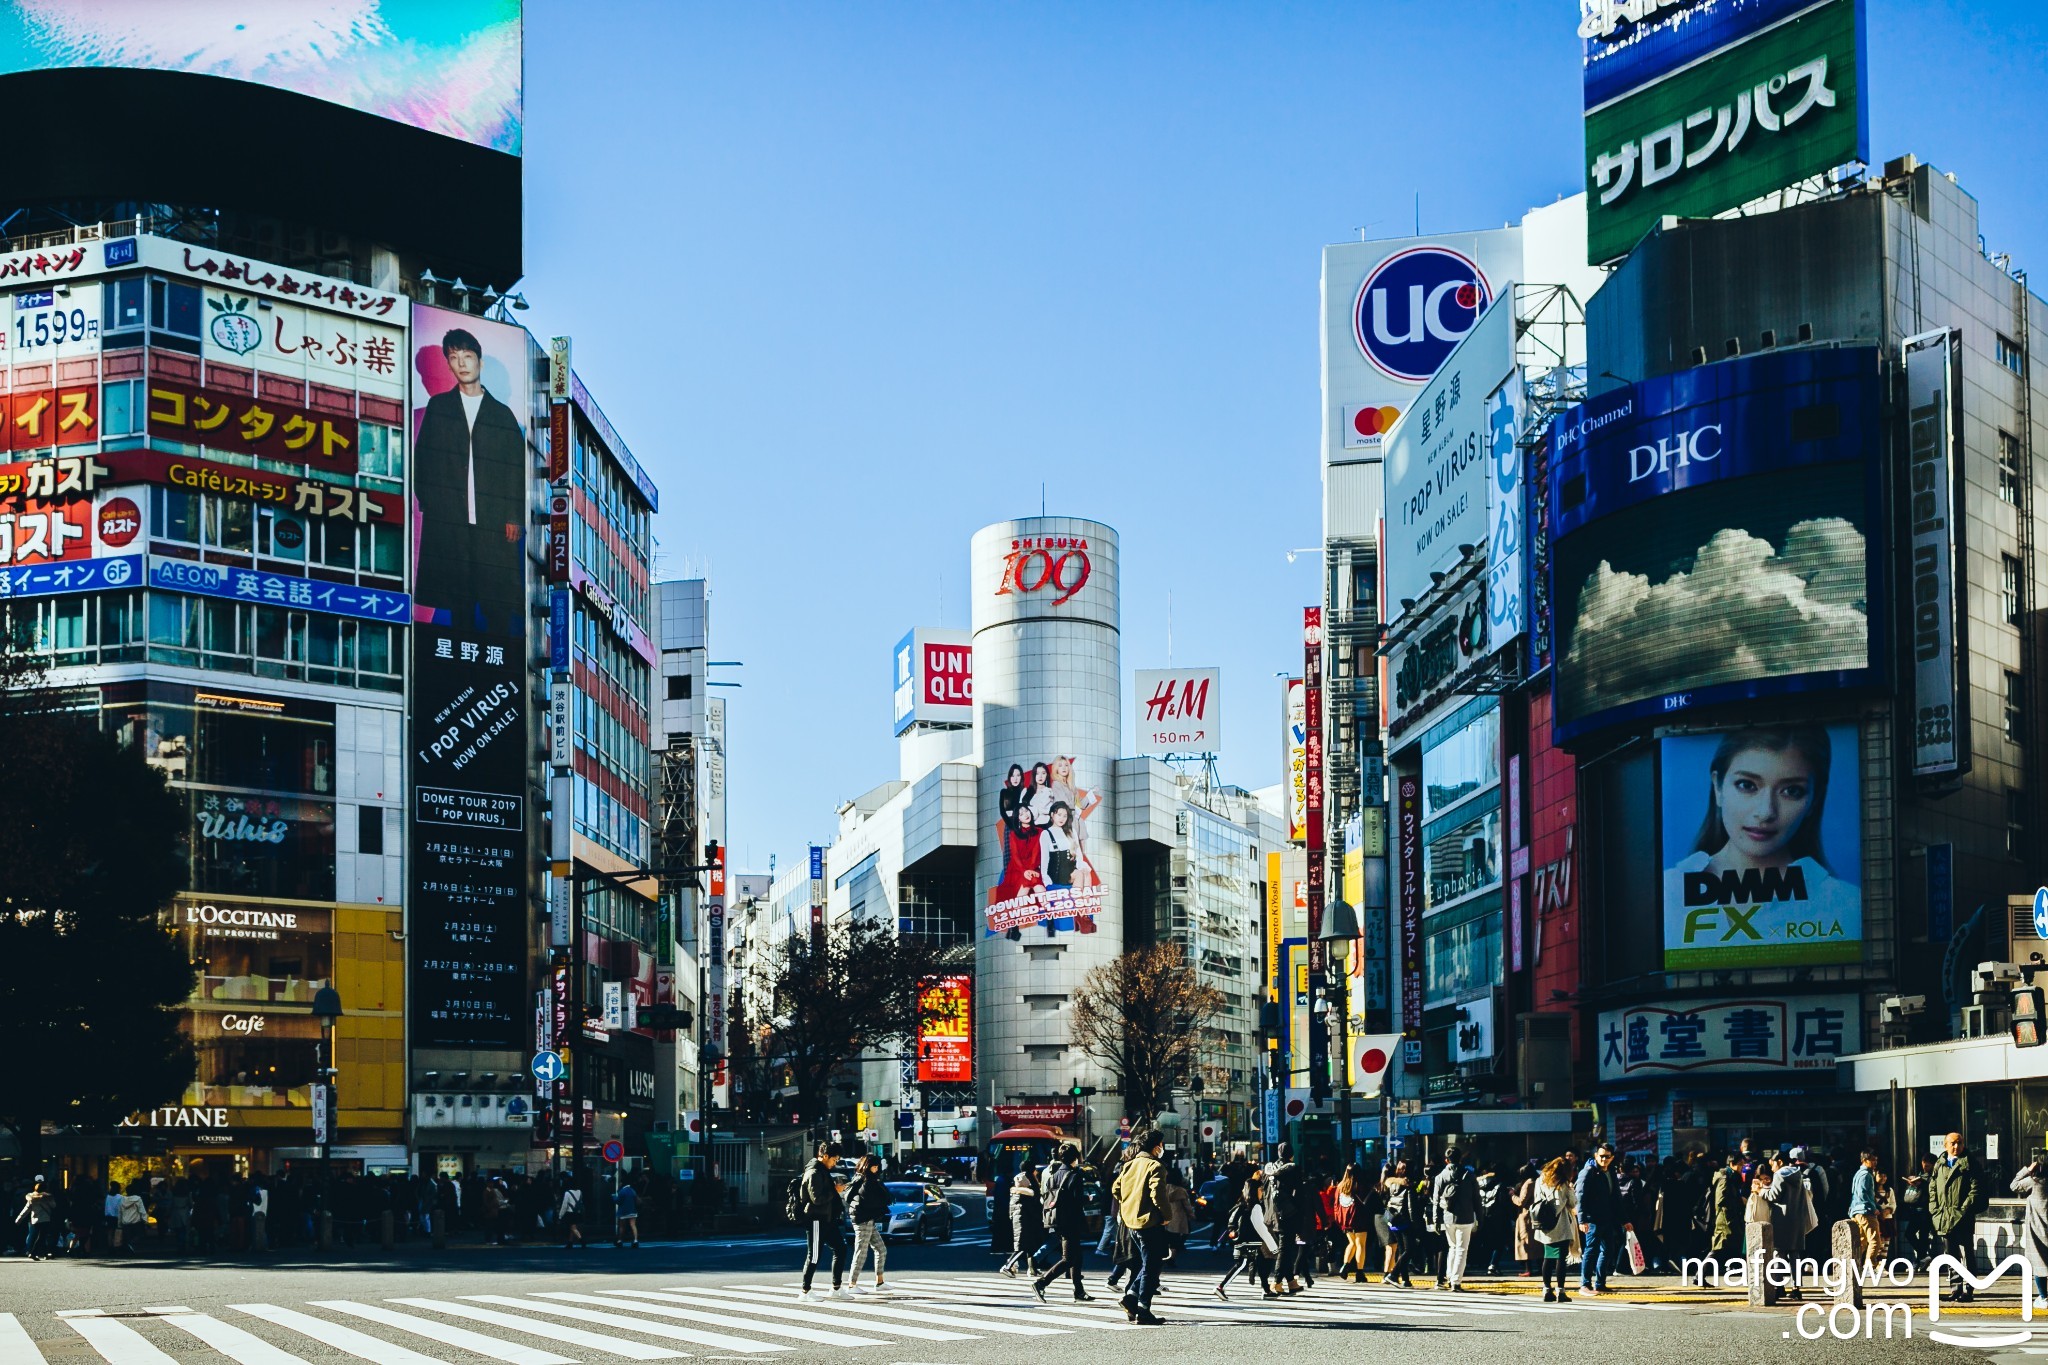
x: 1340, y: 930
x: 326, y: 1009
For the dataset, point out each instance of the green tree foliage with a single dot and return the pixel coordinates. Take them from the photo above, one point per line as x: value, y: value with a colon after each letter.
x: 91, y: 975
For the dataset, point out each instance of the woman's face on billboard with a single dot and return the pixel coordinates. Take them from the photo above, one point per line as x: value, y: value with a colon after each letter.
x: 1764, y: 799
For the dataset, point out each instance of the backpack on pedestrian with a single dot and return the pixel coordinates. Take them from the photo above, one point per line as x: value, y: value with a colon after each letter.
x: 795, y: 1199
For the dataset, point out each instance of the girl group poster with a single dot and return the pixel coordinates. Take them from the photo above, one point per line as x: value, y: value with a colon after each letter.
x: 1042, y: 827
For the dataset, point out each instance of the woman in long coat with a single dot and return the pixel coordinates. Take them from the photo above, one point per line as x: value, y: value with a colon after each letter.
x: 2032, y: 1183
x: 1527, y: 1249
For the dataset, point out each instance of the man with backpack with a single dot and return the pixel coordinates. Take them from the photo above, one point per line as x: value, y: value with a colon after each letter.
x: 1066, y: 1220
x: 1139, y: 1192
x: 1455, y: 1194
x: 813, y: 1199
x: 1286, y: 1184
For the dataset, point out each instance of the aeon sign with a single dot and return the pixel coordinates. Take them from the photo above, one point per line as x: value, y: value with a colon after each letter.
x: 1050, y: 564
x: 1415, y: 307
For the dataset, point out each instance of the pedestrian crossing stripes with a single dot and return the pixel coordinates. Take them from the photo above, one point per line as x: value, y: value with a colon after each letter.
x: 672, y: 1321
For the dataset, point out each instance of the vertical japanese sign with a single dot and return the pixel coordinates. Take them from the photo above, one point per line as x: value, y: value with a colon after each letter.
x: 1294, y: 757
x: 945, y: 1030
x: 1318, y: 951
x: 1939, y: 634
x: 1274, y: 920
x: 817, y: 890
x: 1408, y: 826
x: 714, y: 985
x: 472, y: 396
x: 1506, y: 574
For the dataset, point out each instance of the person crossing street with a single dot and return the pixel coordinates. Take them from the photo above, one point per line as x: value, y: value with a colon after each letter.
x: 1066, y: 1221
x: 1140, y: 1197
x: 821, y: 1207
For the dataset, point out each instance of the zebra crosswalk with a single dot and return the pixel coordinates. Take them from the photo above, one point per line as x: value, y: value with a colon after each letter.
x: 654, y: 1321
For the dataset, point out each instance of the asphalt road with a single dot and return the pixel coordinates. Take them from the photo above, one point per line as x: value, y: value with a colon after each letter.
x: 734, y: 1300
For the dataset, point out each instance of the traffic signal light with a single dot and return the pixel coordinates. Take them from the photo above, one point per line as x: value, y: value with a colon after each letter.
x: 2028, y: 1029
x: 664, y: 1016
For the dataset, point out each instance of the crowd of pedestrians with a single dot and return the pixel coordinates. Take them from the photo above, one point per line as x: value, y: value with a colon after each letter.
x: 209, y: 1213
x: 1572, y: 1221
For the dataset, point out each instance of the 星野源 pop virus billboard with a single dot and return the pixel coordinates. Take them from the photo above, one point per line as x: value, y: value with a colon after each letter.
x: 1714, y: 538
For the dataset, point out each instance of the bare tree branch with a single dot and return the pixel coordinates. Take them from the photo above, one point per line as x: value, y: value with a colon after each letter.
x: 1143, y: 1016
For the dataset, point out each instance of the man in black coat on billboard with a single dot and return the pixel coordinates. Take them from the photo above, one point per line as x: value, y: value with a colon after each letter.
x: 470, y: 474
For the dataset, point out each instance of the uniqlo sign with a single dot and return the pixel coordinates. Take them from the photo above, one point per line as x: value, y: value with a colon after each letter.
x: 933, y: 678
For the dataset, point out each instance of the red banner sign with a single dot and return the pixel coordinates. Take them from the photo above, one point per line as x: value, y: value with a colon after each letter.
x: 284, y: 492
x: 37, y: 419
x: 251, y: 426
x: 1057, y: 1115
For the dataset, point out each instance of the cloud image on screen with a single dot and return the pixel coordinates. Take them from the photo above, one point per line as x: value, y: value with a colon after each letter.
x: 448, y: 66
x: 1727, y: 584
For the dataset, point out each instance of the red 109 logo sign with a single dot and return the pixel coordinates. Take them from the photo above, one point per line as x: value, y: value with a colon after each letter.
x: 1055, y: 564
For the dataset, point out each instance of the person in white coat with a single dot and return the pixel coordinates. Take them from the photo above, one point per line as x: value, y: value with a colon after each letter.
x: 2032, y: 1185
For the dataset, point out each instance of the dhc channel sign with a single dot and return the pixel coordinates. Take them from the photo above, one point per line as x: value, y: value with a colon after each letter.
x: 1415, y: 307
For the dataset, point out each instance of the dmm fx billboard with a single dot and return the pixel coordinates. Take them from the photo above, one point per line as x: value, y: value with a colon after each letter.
x: 1392, y: 312
x: 1781, y: 1034
x: 1938, y: 633
x: 933, y: 678
x: 1762, y: 847
x: 1714, y: 538
x: 1723, y: 102
x: 1440, y: 462
x: 1179, y: 711
x: 472, y: 400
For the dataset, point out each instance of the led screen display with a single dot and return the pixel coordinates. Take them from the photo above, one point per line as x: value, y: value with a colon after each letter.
x: 1714, y: 537
x: 447, y: 66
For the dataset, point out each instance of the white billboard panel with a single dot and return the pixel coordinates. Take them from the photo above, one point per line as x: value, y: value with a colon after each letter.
x: 1179, y: 711
x: 1437, y: 461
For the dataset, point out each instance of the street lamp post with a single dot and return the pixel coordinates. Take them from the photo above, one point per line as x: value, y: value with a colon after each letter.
x: 326, y: 1009
x: 1340, y: 928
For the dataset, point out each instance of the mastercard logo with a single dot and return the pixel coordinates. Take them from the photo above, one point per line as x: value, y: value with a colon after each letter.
x: 1374, y: 421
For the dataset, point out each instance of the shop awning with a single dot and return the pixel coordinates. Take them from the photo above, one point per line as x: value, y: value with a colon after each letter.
x: 1965, y: 1061
x: 1492, y: 1121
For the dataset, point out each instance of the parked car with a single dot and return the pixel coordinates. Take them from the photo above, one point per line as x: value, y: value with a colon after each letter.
x: 918, y: 1212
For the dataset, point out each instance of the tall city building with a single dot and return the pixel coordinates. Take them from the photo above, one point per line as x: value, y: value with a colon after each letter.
x: 278, y: 516
x: 1048, y: 716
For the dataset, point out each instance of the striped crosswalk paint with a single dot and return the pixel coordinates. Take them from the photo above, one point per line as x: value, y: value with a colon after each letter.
x: 511, y: 1352
x: 652, y: 1329
x: 682, y: 1314
x: 574, y: 1336
x: 231, y: 1341
x: 340, y: 1336
x: 1035, y: 1314
x: 117, y: 1342
x: 894, y: 1314
x: 772, y: 1310
x: 16, y: 1346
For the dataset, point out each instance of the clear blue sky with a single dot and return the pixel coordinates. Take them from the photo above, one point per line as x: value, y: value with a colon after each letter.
x: 853, y: 279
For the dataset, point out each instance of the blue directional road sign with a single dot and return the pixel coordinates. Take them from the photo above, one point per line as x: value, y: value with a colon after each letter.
x: 547, y: 1066
x: 2041, y: 913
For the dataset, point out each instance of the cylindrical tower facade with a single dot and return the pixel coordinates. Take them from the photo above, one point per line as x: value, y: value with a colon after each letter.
x: 1048, y: 872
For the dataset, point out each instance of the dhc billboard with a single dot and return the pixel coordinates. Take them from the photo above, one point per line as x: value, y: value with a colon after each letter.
x: 1715, y: 536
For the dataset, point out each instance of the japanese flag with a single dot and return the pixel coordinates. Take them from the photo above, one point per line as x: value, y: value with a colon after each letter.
x: 1372, y: 1061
